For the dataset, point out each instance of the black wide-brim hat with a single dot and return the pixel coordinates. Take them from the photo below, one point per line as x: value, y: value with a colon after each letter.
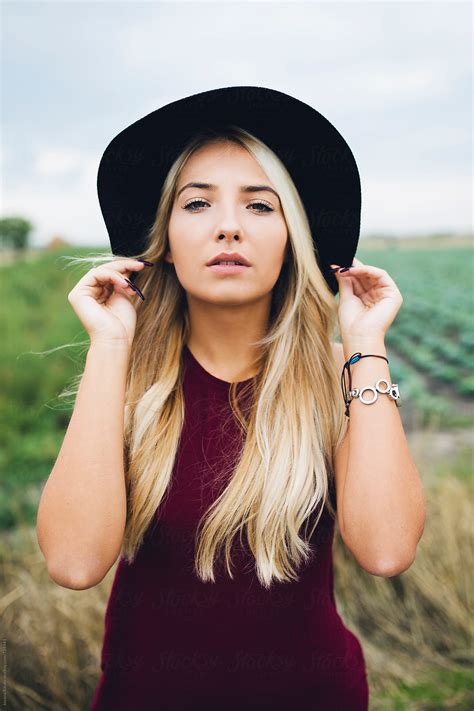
x: 136, y: 162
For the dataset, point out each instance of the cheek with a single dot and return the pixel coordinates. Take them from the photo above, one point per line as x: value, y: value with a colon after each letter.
x: 178, y: 229
x: 276, y: 234
x: 187, y: 250
x: 266, y: 275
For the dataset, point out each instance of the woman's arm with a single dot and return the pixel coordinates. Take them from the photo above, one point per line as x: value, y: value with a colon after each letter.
x: 381, y: 505
x: 82, y: 510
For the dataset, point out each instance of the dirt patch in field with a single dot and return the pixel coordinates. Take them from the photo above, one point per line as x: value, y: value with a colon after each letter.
x: 438, y: 449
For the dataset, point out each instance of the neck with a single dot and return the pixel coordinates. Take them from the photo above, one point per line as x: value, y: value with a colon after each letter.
x: 221, y: 337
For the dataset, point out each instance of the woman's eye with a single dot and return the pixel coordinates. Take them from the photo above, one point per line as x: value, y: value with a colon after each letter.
x: 267, y: 207
x: 193, y: 205
x: 194, y: 202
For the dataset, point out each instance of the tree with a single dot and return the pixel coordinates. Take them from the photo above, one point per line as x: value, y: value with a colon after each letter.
x: 14, y: 233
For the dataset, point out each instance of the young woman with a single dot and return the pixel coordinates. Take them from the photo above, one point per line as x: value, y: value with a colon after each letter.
x: 209, y: 444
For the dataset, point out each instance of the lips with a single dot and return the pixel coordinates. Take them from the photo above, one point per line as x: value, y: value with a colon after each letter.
x: 229, y: 257
x: 227, y: 263
x: 228, y: 268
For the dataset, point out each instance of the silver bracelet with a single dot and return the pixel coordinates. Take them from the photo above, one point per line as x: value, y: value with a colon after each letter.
x: 390, y: 389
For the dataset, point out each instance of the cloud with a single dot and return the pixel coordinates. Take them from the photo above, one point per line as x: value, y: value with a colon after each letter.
x: 57, y: 161
x: 395, y: 78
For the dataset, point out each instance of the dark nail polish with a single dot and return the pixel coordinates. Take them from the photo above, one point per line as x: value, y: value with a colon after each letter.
x: 334, y: 269
x: 148, y: 264
x: 135, y: 288
x: 345, y: 269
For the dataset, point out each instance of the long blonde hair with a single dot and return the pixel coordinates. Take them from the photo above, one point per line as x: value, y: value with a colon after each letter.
x: 296, y: 421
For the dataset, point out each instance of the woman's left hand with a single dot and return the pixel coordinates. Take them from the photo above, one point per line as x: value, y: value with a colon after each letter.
x: 369, y: 301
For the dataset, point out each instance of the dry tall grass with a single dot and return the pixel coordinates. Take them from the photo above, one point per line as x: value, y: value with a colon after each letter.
x: 411, y: 625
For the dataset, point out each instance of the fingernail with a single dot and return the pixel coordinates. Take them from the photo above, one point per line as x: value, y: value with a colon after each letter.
x: 334, y: 269
x: 135, y: 288
x: 148, y: 264
x: 345, y: 269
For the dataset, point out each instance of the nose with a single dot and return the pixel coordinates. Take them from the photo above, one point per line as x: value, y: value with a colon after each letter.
x: 229, y: 236
x: 228, y: 225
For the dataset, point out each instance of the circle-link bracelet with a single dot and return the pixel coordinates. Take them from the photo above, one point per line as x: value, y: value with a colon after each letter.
x: 390, y: 389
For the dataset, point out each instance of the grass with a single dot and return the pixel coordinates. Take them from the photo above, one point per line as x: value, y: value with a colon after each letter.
x: 416, y: 629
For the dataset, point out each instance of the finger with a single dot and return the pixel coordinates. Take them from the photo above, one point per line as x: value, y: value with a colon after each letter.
x: 125, y: 265
x: 102, y: 276
x: 369, y: 276
x: 128, y: 260
x: 121, y: 267
x: 345, y: 285
x: 107, y: 292
x: 367, y: 270
x: 364, y: 277
x: 355, y: 285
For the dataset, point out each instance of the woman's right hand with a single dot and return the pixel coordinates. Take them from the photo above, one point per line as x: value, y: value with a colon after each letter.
x: 102, y: 301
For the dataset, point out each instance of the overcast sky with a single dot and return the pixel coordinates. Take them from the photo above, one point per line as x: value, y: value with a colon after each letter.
x: 395, y: 78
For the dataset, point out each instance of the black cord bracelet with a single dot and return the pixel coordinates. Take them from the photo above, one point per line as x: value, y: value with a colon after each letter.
x: 355, y: 357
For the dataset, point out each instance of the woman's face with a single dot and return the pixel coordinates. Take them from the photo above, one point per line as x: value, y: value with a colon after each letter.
x: 207, y: 221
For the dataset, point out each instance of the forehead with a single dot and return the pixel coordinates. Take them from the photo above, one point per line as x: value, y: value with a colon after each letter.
x: 221, y: 158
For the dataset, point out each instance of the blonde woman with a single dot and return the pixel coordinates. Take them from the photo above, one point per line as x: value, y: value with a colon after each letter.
x: 209, y: 446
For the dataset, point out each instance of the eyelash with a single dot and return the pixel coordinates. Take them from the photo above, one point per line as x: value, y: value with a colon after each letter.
x: 192, y: 202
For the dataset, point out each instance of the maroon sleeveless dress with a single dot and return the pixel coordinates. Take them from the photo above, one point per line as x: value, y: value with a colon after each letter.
x: 174, y: 643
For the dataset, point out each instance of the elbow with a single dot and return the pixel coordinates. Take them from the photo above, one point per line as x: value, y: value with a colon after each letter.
x: 388, y: 568
x: 76, y: 581
x: 384, y: 564
x: 73, y: 578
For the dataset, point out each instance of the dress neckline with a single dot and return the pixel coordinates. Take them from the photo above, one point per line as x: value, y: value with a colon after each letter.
x: 204, y: 374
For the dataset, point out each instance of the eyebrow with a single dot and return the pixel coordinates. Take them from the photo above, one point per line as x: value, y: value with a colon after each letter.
x: 243, y: 188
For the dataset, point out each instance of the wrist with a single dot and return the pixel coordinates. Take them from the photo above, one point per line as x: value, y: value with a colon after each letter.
x: 363, y: 344
x: 118, y: 348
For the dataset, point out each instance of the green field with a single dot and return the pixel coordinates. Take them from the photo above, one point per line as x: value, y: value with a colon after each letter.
x: 430, y: 347
x: 432, y: 339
